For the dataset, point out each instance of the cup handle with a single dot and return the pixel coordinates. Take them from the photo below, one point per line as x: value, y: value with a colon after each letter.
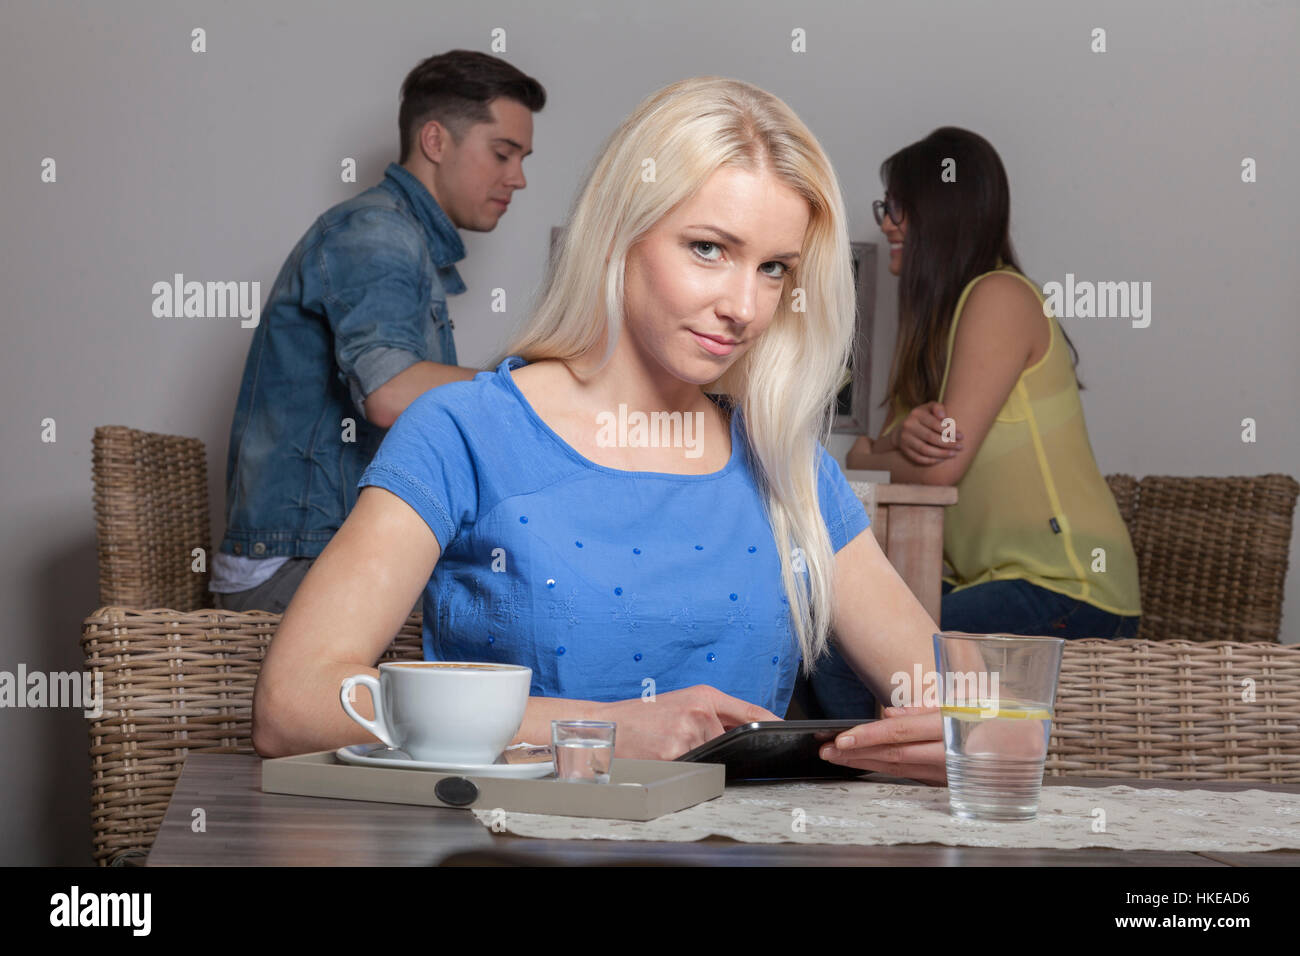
x: 378, y: 726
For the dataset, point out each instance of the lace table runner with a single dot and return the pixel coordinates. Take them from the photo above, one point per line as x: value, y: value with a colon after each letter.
x: 870, y: 813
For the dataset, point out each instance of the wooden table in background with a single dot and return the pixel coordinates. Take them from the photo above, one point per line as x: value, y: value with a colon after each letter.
x: 909, y: 529
x: 246, y: 827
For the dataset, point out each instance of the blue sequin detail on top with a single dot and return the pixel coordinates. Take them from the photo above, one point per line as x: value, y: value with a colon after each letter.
x: 636, y: 657
x: 752, y: 549
x: 699, y: 547
x: 559, y: 650
x: 618, y: 590
x: 636, y: 550
x: 712, y: 657
x: 523, y: 519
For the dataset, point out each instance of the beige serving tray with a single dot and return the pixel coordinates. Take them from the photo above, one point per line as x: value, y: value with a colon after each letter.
x: 637, y: 789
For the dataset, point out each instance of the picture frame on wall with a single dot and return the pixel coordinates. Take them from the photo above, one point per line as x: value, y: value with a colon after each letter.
x: 853, y: 401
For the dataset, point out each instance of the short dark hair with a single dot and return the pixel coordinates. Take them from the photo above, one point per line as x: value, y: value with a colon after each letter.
x: 455, y: 88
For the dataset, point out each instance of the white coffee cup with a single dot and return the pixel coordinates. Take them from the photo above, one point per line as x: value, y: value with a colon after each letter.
x: 448, y: 711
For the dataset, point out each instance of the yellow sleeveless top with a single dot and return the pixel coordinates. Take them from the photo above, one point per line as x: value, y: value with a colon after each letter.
x: 1033, y: 505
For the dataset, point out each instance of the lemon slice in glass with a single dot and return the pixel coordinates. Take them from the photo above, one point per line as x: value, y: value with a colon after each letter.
x: 982, y: 713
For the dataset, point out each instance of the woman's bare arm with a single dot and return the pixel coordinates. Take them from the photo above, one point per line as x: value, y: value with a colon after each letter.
x: 880, y: 627
x: 350, y: 605
x: 995, y: 338
x: 883, y: 631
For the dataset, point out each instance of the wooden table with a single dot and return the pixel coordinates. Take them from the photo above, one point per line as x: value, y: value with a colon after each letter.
x: 246, y: 827
x: 909, y: 529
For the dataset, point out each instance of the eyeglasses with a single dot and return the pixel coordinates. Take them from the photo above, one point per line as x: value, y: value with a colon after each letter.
x: 888, y: 205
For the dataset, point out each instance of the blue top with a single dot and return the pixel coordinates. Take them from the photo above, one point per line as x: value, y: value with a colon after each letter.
x: 362, y: 297
x: 600, y: 580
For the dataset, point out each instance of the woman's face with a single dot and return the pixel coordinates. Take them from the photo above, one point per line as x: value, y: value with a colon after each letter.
x: 895, y: 233
x: 705, y: 282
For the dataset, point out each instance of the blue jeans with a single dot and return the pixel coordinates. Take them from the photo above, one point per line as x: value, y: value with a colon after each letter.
x: 996, y: 607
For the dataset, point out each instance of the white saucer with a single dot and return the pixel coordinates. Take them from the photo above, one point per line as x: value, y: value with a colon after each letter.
x: 377, y: 755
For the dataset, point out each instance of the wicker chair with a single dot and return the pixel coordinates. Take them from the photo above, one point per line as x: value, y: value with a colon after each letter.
x: 151, y: 512
x: 174, y: 682
x: 1178, y: 710
x: 1211, y: 552
x: 179, y: 682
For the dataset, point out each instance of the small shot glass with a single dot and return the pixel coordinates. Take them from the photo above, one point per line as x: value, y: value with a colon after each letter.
x: 583, y: 750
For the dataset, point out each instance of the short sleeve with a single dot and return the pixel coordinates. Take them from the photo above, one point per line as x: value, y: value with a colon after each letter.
x: 427, y: 460
x: 374, y: 292
x: 844, y: 514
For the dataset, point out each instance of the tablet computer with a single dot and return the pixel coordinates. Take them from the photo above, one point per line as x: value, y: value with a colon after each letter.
x: 777, y: 750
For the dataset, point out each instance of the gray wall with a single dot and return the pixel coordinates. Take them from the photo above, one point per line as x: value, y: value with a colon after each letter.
x: 1123, y: 165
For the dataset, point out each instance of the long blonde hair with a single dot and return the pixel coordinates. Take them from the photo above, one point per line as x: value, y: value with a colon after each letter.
x: 785, y: 385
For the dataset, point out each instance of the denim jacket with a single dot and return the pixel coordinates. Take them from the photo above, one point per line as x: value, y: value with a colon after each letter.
x: 362, y: 297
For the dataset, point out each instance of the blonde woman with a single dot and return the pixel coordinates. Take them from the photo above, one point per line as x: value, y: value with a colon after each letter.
x: 638, y: 490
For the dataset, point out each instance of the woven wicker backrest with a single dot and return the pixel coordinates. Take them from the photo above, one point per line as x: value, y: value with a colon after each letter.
x: 180, y: 682
x: 1212, y: 556
x: 174, y: 682
x: 1124, y: 488
x: 1178, y: 710
x: 151, y: 512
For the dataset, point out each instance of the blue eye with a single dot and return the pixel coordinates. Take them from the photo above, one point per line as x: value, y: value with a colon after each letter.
x: 704, y: 242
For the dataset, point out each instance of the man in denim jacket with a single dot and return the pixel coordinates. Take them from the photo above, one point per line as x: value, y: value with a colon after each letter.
x: 356, y: 325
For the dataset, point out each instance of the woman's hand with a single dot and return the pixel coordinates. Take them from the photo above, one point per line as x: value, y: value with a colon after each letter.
x: 665, y: 726
x: 906, y: 742
x: 920, y: 437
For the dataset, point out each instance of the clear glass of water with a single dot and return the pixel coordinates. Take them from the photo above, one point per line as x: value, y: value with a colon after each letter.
x: 996, y: 696
x: 583, y: 750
